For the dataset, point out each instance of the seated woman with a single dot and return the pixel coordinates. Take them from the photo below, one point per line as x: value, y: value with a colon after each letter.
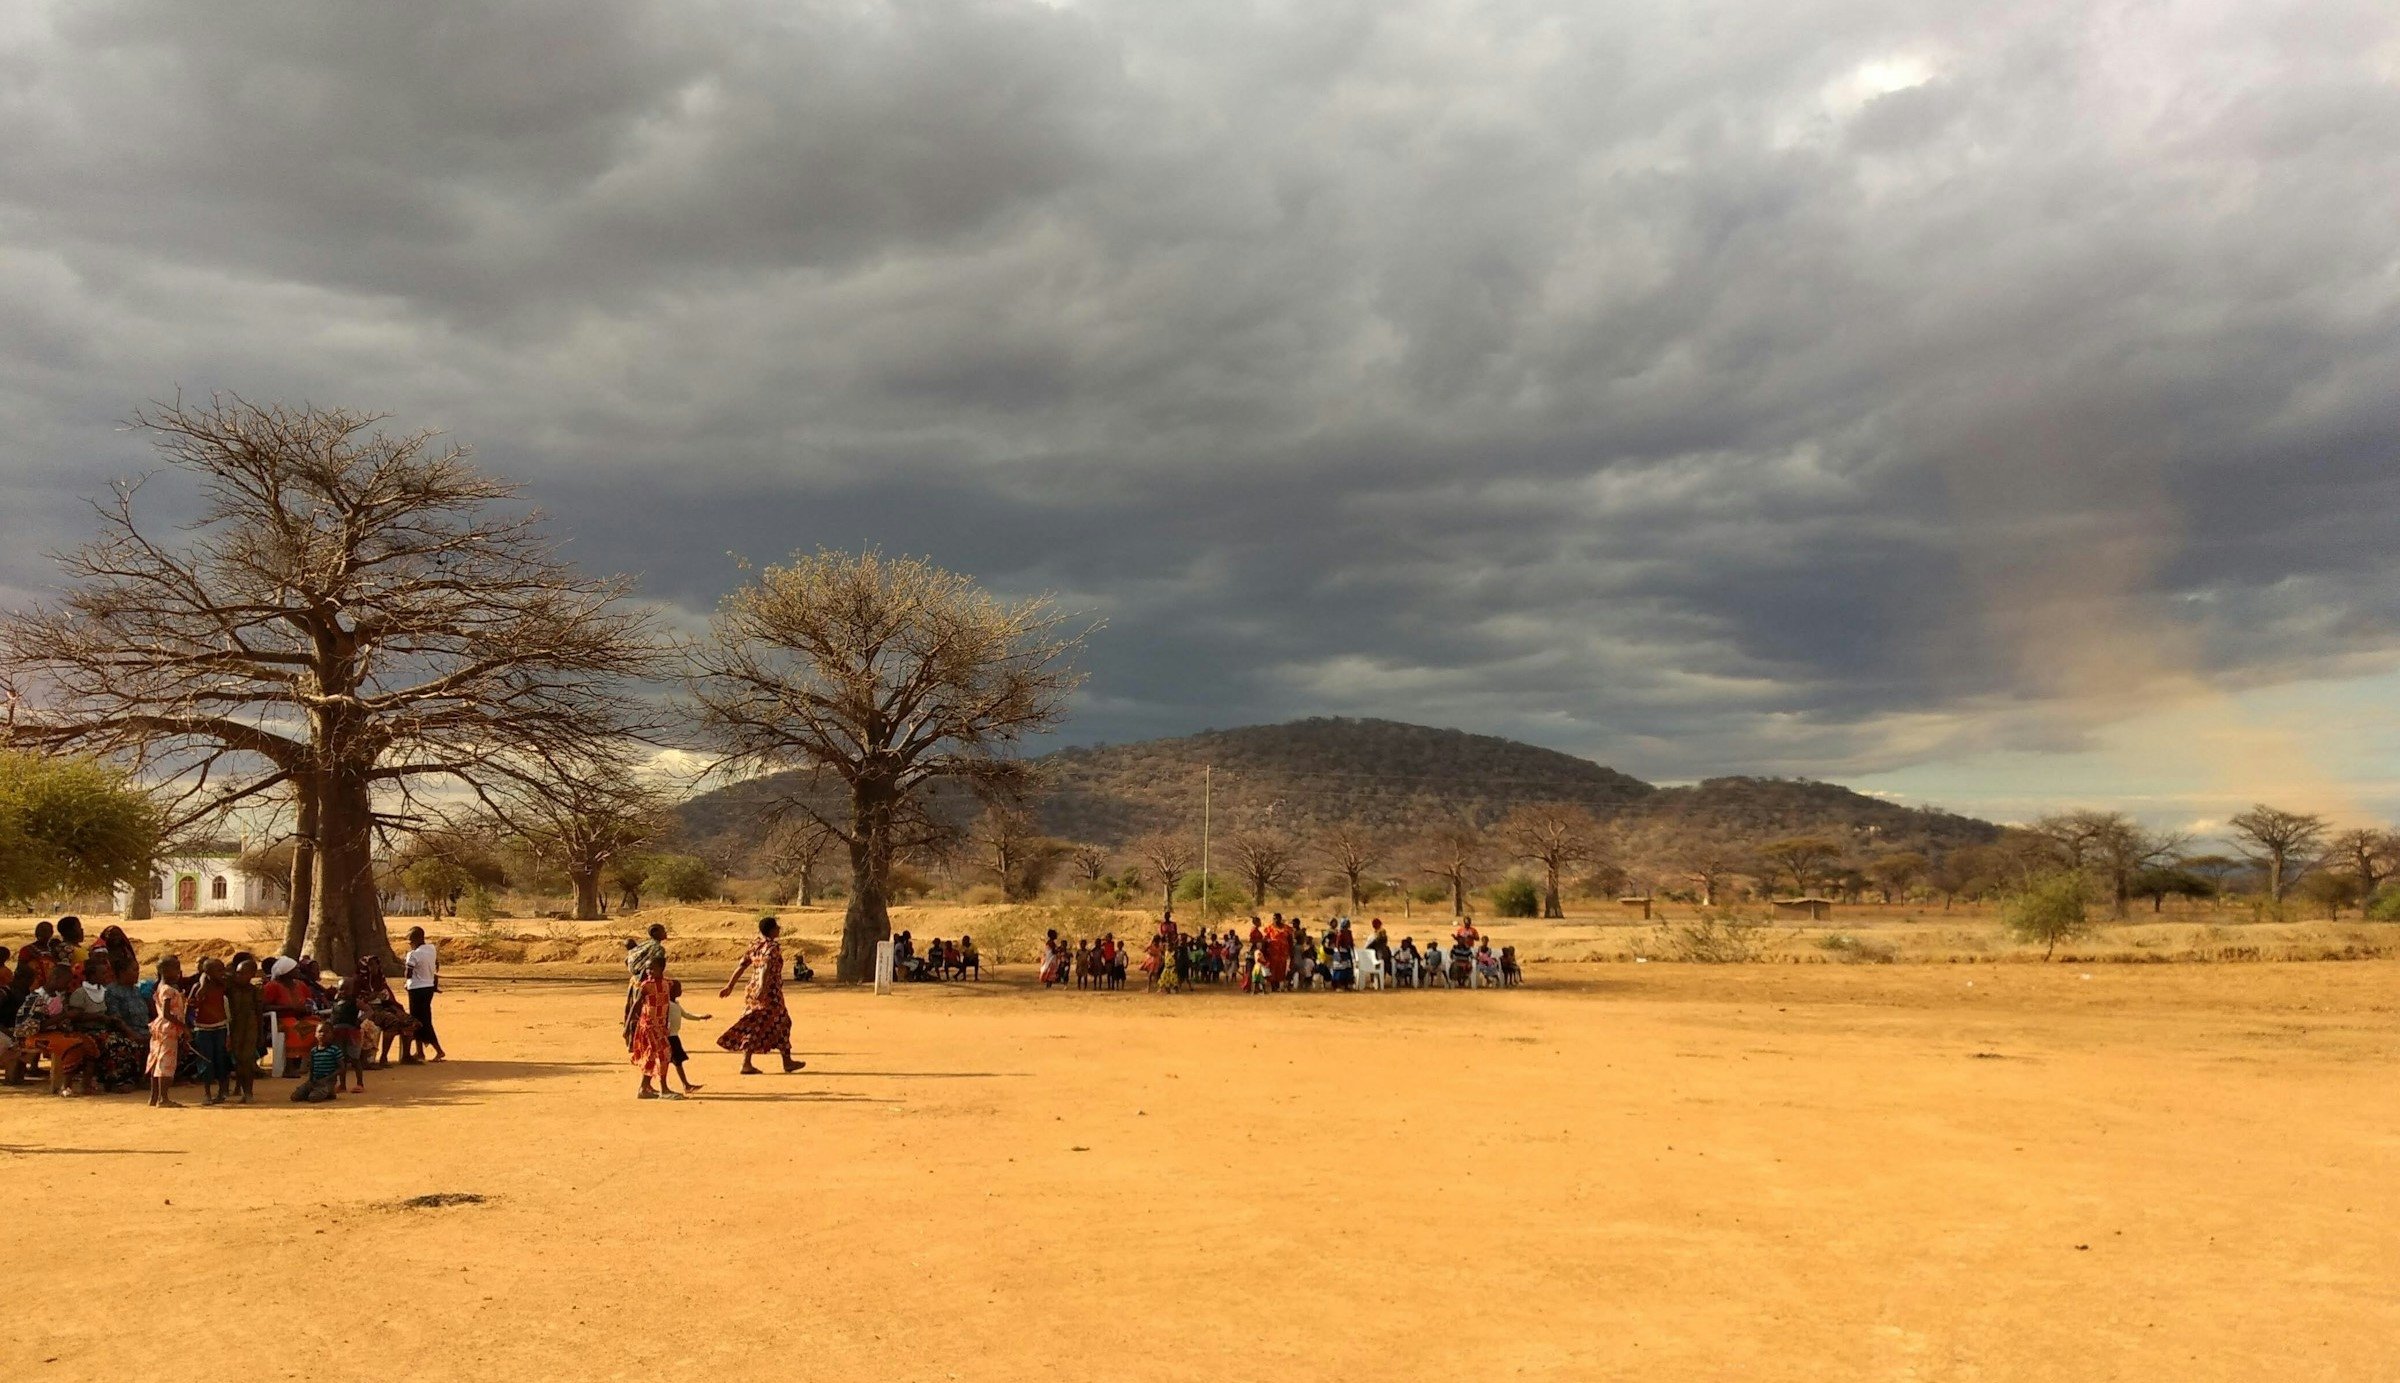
x: 125, y: 1046
x: 67, y: 1021
x: 969, y: 959
x: 1462, y: 964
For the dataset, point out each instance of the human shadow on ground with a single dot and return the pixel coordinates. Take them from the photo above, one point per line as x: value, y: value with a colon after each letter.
x: 746, y: 1096
x: 39, y: 1150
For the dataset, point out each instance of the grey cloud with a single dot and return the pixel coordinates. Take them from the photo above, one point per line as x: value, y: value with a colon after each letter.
x: 1718, y: 388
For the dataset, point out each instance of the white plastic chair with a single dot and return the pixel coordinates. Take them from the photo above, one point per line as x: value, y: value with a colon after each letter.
x: 1370, y: 971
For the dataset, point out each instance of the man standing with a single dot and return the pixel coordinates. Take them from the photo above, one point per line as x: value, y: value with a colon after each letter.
x: 422, y: 982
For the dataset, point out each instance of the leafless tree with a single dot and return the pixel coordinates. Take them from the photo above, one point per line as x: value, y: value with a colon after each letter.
x: 1091, y: 863
x: 1353, y: 851
x: 1264, y: 860
x: 577, y: 817
x: 2367, y: 854
x: 2280, y: 842
x: 884, y: 675
x: 1709, y: 860
x: 1169, y: 855
x: 795, y: 850
x: 1555, y: 835
x: 349, y: 615
x: 2108, y: 845
x: 1007, y: 843
x: 1456, y: 852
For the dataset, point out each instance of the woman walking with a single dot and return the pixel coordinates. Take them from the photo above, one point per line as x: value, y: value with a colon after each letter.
x: 765, y: 1024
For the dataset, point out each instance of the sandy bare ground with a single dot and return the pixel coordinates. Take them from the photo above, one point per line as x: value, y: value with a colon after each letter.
x: 1663, y: 1172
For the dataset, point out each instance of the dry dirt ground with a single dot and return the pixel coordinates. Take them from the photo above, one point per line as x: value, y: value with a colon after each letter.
x: 1656, y: 1171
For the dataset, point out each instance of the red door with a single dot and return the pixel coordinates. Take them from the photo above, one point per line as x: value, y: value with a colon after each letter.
x: 187, y: 894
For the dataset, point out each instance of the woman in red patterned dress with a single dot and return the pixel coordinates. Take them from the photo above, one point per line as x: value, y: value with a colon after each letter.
x: 765, y: 1024
x: 651, y: 1050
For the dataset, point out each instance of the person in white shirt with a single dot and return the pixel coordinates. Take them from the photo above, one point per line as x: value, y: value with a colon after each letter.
x: 423, y: 982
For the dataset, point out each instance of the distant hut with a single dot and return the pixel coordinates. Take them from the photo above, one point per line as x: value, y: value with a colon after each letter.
x: 1642, y: 903
x: 1814, y: 909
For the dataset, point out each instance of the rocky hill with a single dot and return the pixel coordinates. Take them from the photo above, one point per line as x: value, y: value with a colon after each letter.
x: 1307, y: 774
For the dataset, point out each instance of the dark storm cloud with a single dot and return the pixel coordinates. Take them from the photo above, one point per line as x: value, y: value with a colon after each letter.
x: 1706, y: 387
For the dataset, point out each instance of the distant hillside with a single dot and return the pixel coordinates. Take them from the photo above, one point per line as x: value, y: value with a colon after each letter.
x: 1310, y: 773
x: 1760, y: 809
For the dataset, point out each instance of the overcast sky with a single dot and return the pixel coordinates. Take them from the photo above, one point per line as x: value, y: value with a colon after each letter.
x: 1985, y: 402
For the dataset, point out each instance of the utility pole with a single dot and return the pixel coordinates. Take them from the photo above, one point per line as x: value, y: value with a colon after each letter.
x: 1208, y: 782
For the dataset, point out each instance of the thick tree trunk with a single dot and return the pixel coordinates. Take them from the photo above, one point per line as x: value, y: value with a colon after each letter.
x: 1458, y: 895
x: 303, y: 888
x: 587, y: 896
x: 349, y: 912
x: 868, y: 920
x: 137, y: 893
x: 1550, y: 907
x: 808, y: 887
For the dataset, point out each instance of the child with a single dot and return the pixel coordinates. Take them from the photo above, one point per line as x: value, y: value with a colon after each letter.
x: 346, y: 1035
x: 650, y: 1049
x: 166, y: 1033
x: 210, y: 1021
x: 244, y: 1032
x: 324, y: 1063
x: 675, y: 1017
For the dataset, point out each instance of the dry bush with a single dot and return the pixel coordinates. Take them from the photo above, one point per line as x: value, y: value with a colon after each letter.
x: 1709, y: 939
x: 1852, y: 949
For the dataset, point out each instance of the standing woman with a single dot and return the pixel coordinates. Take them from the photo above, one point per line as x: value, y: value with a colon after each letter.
x: 765, y: 1024
x: 166, y: 1033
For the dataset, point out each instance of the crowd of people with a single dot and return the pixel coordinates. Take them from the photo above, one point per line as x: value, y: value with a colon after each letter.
x: 1281, y: 955
x: 654, y: 1011
x: 941, y: 960
x: 84, y: 1014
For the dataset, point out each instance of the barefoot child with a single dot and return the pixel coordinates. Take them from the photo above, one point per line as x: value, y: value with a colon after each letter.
x: 345, y: 1032
x: 166, y: 1033
x: 210, y: 1016
x: 675, y: 1017
x: 650, y: 1049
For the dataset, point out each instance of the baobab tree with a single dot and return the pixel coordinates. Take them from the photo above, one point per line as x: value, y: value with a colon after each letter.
x: 1263, y: 860
x: 2367, y: 854
x: 1455, y: 852
x: 1352, y: 850
x: 795, y: 850
x: 1169, y: 854
x: 1091, y: 863
x: 577, y: 818
x: 348, y: 614
x: 1012, y: 848
x: 1555, y: 835
x: 884, y: 675
x: 2280, y: 842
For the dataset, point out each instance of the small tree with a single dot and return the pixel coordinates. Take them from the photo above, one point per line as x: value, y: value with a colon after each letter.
x: 796, y: 852
x: 1804, y: 860
x: 682, y: 878
x: 2281, y: 843
x: 2049, y: 909
x: 72, y: 826
x: 1709, y: 861
x: 1352, y: 850
x: 577, y: 817
x: 1456, y: 853
x: 1555, y: 835
x: 1896, y: 872
x: 1516, y: 896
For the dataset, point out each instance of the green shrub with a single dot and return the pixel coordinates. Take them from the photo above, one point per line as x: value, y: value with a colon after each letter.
x: 1517, y: 896
x: 2385, y: 906
x: 1224, y: 896
x: 2049, y: 909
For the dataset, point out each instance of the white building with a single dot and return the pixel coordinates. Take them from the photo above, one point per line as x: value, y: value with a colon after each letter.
x: 205, y: 883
